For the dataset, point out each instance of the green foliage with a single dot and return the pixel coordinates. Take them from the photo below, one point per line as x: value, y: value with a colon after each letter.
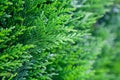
x: 109, y: 56
x: 55, y: 40
x: 13, y: 53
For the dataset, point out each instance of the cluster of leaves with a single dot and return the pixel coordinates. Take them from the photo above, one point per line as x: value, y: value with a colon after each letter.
x: 13, y: 53
x: 50, y: 39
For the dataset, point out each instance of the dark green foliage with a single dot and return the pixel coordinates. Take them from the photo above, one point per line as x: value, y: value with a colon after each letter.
x: 57, y: 40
